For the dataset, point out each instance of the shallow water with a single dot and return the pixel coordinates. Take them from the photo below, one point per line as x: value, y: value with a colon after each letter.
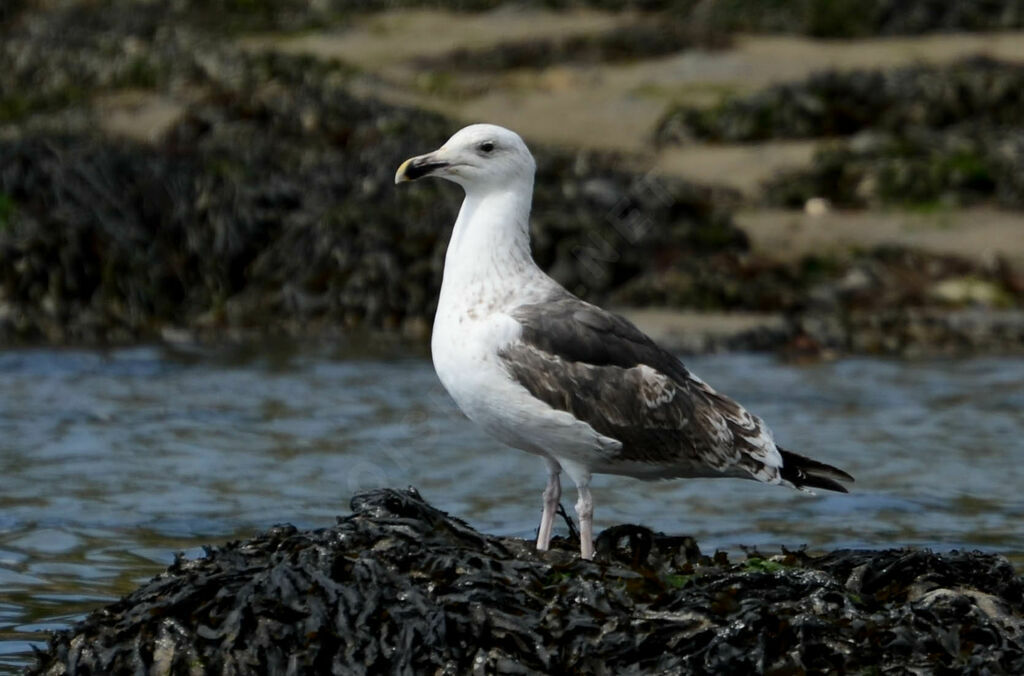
x: 110, y: 462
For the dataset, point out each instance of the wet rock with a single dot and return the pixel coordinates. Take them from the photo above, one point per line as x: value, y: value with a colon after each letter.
x: 399, y: 586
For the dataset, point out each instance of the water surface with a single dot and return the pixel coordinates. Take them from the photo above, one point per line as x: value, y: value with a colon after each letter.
x: 110, y: 462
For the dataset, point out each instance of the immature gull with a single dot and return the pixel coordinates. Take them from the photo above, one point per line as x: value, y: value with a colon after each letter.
x: 548, y: 373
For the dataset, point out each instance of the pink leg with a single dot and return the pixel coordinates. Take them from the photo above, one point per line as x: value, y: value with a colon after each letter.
x: 580, y: 475
x: 552, y: 494
x: 585, y: 511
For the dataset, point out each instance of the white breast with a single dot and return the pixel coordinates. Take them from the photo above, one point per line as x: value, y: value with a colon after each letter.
x: 465, y: 353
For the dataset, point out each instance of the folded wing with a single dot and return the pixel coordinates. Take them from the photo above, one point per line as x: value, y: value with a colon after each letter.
x: 603, y: 370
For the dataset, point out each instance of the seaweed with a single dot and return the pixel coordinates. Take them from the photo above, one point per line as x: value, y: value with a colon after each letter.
x: 982, y: 91
x: 401, y: 587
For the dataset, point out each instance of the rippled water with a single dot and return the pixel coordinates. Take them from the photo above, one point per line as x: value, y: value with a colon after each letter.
x: 112, y: 461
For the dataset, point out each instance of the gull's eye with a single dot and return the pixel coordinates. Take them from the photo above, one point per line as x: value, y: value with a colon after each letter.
x: 486, y: 147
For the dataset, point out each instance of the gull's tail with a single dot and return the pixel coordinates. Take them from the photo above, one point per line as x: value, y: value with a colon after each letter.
x: 805, y: 473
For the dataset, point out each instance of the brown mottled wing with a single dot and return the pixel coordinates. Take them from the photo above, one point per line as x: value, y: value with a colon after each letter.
x: 581, y: 332
x: 598, y: 366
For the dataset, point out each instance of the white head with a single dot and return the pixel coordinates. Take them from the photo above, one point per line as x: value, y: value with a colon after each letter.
x: 481, y: 158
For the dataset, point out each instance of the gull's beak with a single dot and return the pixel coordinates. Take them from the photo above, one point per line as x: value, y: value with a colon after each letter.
x: 418, y: 167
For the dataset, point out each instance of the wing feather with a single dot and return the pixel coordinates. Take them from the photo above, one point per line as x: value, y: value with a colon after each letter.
x: 598, y: 366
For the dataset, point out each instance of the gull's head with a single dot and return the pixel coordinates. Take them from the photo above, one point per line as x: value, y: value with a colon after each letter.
x: 480, y: 157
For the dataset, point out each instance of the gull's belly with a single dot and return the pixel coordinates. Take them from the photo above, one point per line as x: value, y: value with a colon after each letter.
x: 466, y: 360
x: 466, y: 364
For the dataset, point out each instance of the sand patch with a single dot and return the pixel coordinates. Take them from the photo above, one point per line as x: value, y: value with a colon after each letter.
x: 982, y: 234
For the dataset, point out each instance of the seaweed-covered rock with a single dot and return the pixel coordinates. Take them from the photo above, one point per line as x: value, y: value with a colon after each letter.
x: 820, y: 18
x: 400, y: 587
x: 918, y: 135
x: 979, y: 90
x: 11, y: 9
x: 269, y: 204
x: 887, y: 300
x: 881, y: 278
x: 644, y: 38
x: 850, y: 18
x: 910, y: 332
x: 225, y: 227
x: 263, y: 203
x: 920, y: 168
x: 53, y: 59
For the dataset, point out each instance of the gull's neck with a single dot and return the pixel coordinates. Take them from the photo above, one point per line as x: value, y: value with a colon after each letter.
x: 489, y: 253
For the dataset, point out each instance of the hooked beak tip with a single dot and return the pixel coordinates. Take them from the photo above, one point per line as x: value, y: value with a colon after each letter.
x: 401, y: 176
x: 418, y: 167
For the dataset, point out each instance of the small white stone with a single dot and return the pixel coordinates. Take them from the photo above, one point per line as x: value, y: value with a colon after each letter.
x: 817, y: 206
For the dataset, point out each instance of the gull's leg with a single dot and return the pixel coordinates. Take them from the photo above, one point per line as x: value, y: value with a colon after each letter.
x: 552, y: 494
x: 585, y: 511
x: 580, y: 475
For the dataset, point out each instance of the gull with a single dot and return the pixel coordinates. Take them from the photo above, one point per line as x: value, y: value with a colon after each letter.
x: 550, y: 374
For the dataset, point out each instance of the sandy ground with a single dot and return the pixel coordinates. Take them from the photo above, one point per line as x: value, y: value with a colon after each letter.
x: 981, y: 233
x: 617, y: 106
x: 741, y: 167
x: 613, y: 106
x: 381, y: 41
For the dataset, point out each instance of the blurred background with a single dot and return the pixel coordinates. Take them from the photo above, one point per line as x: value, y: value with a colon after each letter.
x: 214, y: 305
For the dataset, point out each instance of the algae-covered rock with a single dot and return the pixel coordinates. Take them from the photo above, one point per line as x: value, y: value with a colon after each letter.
x: 920, y: 168
x: 820, y: 18
x: 269, y: 203
x: 984, y: 91
x: 400, y: 587
x: 645, y: 38
x: 260, y: 201
x: 919, y: 135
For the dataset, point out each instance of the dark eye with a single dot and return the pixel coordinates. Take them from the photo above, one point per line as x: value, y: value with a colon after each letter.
x: 486, y: 146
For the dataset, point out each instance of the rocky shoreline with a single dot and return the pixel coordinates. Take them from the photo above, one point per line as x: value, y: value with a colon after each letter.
x: 258, y: 201
x: 399, y: 586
